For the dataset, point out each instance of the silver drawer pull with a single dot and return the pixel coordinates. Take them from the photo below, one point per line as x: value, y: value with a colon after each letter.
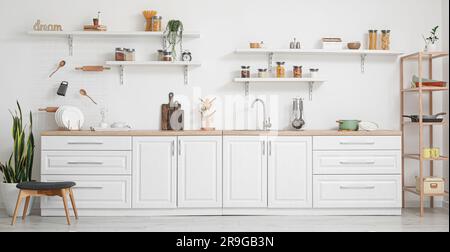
x: 357, y: 187
x: 357, y: 143
x: 357, y: 162
x: 85, y: 163
x: 89, y: 187
x: 85, y: 143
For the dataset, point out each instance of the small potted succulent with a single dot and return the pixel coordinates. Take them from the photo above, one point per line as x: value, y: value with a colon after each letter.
x: 19, y: 167
x: 431, y: 41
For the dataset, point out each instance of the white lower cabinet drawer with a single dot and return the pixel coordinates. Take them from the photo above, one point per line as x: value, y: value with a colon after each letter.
x: 357, y: 162
x: 93, y: 192
x: 86, y: 143
x: 357, y: 143
x: 83, y: 162
x: 357, y: 191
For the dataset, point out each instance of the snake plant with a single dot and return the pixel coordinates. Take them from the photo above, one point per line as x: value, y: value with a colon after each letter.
x: 173, y: 35
x: 19, y: 167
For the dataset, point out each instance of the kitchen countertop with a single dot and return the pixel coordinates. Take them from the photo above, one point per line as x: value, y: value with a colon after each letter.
x: 144, y: 133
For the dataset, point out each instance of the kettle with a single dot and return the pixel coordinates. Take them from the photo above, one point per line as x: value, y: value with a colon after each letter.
x: 297, y: 121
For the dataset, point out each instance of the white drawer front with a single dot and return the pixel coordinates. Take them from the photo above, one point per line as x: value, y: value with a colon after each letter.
x: 93, y: 192
x: 347, y: 191
x: 86, y: 143
x: 357, y: 162
x: 357, y: 143
x: 84, y: 163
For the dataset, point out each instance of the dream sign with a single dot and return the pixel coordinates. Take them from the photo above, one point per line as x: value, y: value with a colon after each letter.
x: 38, y: 26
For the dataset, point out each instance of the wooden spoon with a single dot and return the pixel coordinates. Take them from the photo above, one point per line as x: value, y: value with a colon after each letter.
x: 84, y: 93
x: 61, y: 64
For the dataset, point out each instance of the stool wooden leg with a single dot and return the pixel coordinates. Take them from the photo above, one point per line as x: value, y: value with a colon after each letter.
x: 25, y: 209
x: 72, y: 199
x: 16, y: 211
x: 66, y: 209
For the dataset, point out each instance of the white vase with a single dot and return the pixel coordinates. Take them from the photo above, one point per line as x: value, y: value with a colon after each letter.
x: 10, y: 193
x: 430, y: 47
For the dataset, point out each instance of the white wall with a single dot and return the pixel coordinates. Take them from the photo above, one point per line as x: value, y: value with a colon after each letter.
x: 225, y: 26
x: 445, y: 37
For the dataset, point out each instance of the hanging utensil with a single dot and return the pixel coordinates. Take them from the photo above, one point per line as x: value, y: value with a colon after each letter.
x: 61, y: 64
x: 84, y: 93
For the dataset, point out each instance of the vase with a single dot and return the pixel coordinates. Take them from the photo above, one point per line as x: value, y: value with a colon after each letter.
x: 430, y: 47
x: 10, y: 194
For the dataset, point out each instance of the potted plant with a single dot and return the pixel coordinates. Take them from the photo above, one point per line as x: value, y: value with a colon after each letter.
x: 431, y: 41
x: 19, y: 167
x: 173, y: 36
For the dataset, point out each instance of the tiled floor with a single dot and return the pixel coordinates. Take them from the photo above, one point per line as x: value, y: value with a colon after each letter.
x: 436, y: 220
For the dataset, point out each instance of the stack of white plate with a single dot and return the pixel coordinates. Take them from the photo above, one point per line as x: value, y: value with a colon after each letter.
x: 69, y: 118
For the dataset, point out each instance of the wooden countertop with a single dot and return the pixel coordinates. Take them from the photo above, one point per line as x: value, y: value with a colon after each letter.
x: 144, y: 133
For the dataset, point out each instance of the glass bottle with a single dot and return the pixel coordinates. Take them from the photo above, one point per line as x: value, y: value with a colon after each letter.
x: 281, y: 70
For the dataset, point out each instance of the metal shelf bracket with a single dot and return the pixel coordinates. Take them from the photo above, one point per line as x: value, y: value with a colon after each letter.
x: 70, y: 41
x: 186, y: 75
x: 311, y: 86
x: 247, y: 88
x: 270, y: 62
x: 363, y: 63
x: 122, y: 75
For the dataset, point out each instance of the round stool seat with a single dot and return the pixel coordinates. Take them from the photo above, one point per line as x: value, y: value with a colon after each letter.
x: 45, y: 185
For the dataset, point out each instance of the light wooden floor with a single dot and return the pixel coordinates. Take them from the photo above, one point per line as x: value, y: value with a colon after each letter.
x: 436, y: 220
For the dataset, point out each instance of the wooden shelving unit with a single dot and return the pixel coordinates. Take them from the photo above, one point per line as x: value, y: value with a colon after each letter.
x: 420, y: 58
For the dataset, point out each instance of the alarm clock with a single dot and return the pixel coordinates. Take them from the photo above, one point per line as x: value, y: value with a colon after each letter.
x: 186, y: 56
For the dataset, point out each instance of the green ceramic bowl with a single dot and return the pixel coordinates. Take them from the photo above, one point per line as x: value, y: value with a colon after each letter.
x: 349, y: 125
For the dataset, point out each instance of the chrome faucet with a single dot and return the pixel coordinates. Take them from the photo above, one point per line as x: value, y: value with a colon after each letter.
x: 267, y: 124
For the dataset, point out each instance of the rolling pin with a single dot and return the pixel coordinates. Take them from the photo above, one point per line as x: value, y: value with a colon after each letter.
x: 93, y: 68
x: 49, y: 109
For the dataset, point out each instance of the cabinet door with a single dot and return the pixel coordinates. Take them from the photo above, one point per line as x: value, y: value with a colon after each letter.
x: 245, y: 172
x: 154, y: 172
x: 290, y: 172
x: 200, y: 172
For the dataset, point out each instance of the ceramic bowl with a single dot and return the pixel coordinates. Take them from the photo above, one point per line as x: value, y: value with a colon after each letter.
x: 354, y: 45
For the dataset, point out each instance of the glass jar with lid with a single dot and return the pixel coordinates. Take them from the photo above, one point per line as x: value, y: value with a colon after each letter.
x: 386, y: 40
x: 245, y: 71
x: 373, y: 39
x: 167, y: 56
x: 156, y: 23
x: 120, y: 54
x: 130, y: 54
x: 281, y: 70
x: 298, y: 71
x: 263, y: 73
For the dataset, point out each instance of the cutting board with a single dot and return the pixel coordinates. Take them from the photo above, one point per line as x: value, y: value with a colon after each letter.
x: 166, y: 113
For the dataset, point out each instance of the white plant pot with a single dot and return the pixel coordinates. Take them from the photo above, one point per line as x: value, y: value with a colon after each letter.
x: 10, y: 193
x: 431, y: 48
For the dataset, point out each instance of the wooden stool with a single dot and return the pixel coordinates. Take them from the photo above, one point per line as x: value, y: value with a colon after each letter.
x: 41, y: 189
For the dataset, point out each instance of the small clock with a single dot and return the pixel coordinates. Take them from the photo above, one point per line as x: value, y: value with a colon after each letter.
x: 186, y: 56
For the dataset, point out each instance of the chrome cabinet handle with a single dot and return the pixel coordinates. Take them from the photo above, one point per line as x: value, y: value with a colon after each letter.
x: 357, y: 187
x: 270, y: 148
x: 85, y: 163
x: 357, y: 163
x: 89, y: 187
x: 357, y: 143
x: 263, y: 143
x: 85, y: 143
x: 173, y: 148
x: 179, y: 147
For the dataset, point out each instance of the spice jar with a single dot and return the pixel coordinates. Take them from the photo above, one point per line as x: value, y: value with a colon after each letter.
x: 281, y: 70
x: 298, y: 71
x: 167, y: 56
x: 263, y: 73
x: 161, y: 55
x: 130, y: 54
x: 386, y: 40
x: 314, y: 72
x: 245, y: 71
x: 373, y: 38
x: 120, y: 54
x: 156, y: 23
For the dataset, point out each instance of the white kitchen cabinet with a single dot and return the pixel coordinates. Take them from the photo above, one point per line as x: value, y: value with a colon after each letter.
x: 200, y: 172
x: 154, y: 172
x: 245, y: 172
x: 290, y: 172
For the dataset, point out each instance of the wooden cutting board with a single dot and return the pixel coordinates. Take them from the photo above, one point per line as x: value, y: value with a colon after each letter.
x: 166, y: 112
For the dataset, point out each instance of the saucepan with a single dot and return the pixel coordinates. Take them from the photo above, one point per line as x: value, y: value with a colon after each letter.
x: 427, y: 118
x: 348, y: 125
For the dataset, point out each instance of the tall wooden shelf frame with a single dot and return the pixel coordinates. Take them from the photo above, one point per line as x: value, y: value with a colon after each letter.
x: 420, y: 58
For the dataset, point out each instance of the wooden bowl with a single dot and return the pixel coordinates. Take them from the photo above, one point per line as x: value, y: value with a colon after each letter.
x: 354, y: 45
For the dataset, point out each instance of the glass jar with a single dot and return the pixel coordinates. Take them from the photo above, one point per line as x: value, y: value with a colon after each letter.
x: 245, y: 71
x: 167, y: 56
x: 156, y: 23
x: 161, y: 55
x: 281, y: 70
x: 298, y: 71
x: 386, y: 40
x: 373, y: 39
x: 314, y: 72
x: 120, y: 54
x: 263, y: 73
x: 130, y: 54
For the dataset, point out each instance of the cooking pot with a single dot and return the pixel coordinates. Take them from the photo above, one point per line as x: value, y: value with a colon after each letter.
x: 427, y: 118
x: 348, y: 125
